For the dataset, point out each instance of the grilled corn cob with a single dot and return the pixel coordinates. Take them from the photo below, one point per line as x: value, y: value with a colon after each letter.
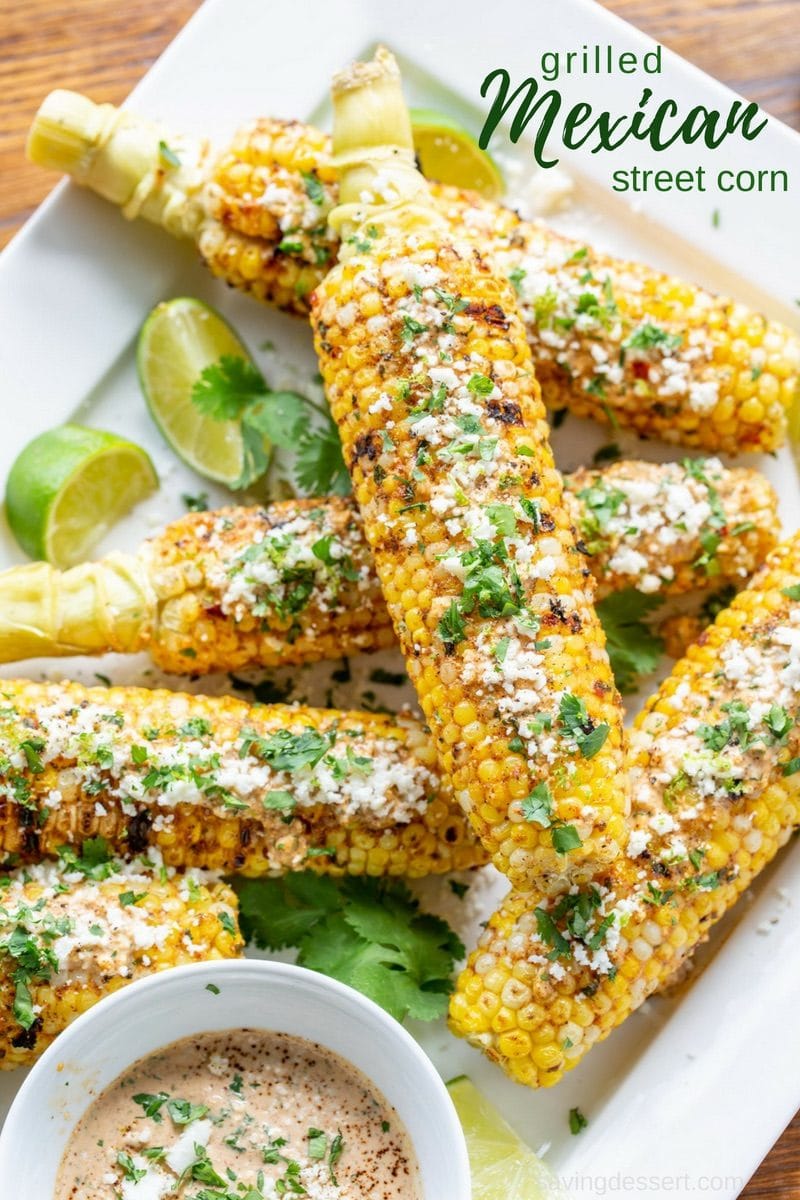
x: 216, y: 783
x: 295, y: 583
x: 66, y: 941
x: 215, y: 591
x: 444, y: 432
x: 673, y: 528
x: 610, y: 339
x: 715, y: 766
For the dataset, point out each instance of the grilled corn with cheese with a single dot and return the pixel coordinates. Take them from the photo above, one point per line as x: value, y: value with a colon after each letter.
x: 444, y: 432
x: 70, y: 936
x: 612, y: 340
x: 216, y: 783
x: 294, y: 583
x: 715, y: 772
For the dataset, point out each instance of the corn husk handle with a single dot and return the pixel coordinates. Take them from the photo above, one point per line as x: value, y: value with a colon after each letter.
x: 137, y: 165
x: 373, y: 150
x: 90, y: 609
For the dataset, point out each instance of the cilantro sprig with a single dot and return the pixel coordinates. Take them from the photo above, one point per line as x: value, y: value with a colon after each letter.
x: 633, y: 648
x: 233, y: 389
x: 368, y: 933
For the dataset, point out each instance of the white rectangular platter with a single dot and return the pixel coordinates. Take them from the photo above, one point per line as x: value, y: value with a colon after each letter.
x: 688, y: 1096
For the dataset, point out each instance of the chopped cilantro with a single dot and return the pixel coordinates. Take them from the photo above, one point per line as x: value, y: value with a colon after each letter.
x: 538, y: 806
x: 151, y: 1104
x: 480, y: 385
x: 578, y: 725
x: 577, y: 1121
x: 411, y: 329
x: 129, y: 1171
x: 313, y: 187
x: 227, y: 923
x: 94, y: 861
x: 317, y: 1144
x: 183, y: 1112
x: 609, y: 453
x: 168, y: 155
x: 286, y: 751
x: 650, y: 337
x: 451, y: 627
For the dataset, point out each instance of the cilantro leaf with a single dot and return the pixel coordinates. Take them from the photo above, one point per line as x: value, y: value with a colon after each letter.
x: 313, y: 187
x: 276, y: 913
x: 538, y: 806
x: 368, y: 933
x: 95, y: 860
x: 319, y: 464
x: 225, y: 389
x: 632, y: 646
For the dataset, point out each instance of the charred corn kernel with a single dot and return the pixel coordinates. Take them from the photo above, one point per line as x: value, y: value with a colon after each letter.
x: 216, y: 783
x: 77, y: 940
x: 455, y: 374
x: 715, y: 767
x: 609, y: 338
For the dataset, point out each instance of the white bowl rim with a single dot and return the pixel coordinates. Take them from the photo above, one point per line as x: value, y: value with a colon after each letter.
x: 23, y: 1114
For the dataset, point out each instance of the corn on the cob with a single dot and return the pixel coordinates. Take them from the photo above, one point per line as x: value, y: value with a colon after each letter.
x: 295, y: 583
x: 715, y: 766
x: 66, y: 941
x: 214, y: 591
x: 610, y: 339
x: 444, y: 432
x: 671, y: 527
x: 216, y: 783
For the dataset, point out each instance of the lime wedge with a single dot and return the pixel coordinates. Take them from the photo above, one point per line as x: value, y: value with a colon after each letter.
x: 448, y: 153
x: 179, y: 339
x: 502, y: 1166
x: 69, y: 486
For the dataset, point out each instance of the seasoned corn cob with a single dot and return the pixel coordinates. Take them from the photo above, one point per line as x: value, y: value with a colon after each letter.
x: 66, y: 941
x: 673, y: 527
x: 715, y: 766
x: 610, y: 339
x: 221, y: 591
x: 444, y: 432
x: 215, y: 591
x: 216, y: 783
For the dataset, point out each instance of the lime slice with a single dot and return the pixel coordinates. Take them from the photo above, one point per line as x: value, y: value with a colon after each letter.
x: 179, y: 339
x: 69, y: 486
x: 502, y: 1166
x: 447, y: 152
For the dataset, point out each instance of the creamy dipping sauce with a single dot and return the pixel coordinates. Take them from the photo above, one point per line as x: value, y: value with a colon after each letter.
x: 239, y: 1115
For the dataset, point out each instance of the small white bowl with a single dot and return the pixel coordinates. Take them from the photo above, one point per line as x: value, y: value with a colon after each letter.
x: 150, y: 1014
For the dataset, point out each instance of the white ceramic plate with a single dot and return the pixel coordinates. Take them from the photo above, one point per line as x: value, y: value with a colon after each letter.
x: 671, y: 1097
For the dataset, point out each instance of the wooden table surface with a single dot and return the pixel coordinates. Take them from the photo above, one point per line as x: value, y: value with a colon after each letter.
x: 104, y: 48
